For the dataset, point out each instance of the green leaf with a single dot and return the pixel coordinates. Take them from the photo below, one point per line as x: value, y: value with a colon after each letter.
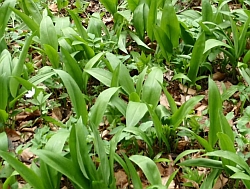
x: 140, y: 80
x: 184, y: 110
x: 27, y: 20
x: 151, y: 90
x: 64, y: 166
x: 138, y: 41
x: 149, y: 168
x: 80, y: 28
x: 4, y: 95
x: 231, y: 156
x: 72, y: 67
x: 170, y: 24
x: 4, y: 145
x: 4, y: 17
x: 138, y: 132
x: 33, y: 10
x: 164, y: 42
x: 134, y: 113
x: 202, y: 162
x: 211, y: 43
x: 170, y: 99
x: 197, y: 58
x: 207, y: 12
x: 27, y: 174
x: 210, y: 179
x: 97, y: 111
x: 75, y: 95
x: 133, y: 173
x: 240, y: 176
x: 214, y: 109
x: 140, y: 17
x: 52, y: 55
x: 151, y: 20
x: 186, y: 152
x: 122, y: 42
x: 18, y: 69
x: 125, y: 80
x: 110, y: 5
x: 102, y: 75
x: 57, y: 141
x: 48, y: 33
x: 132, y: 4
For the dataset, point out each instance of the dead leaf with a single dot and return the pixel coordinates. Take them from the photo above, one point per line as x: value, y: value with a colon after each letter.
x: 53, y: 7
x: 12, y: 134
x: 189, y: 91
x: 121, y: 178
x: 220, y: 183
x: 218, y: 76
x: 56, y: 113
x: 26, y: 155
x: 164, y: 101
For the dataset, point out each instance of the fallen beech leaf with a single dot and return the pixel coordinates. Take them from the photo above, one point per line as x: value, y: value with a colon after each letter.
x: 218, y: 76
x: 121, y: 178
x: 53, y: 7
x: 188, y: 91
x: 56, y: 113
x: 26, y: 155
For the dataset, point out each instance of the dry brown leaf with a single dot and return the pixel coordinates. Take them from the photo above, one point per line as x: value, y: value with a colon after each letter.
x: 218, y: 76
x: 121, y: 178
x: 53, y: 7
x: 187, y: 90
x: 12, y: 134
x: 164, y: 101
x: 220, y: 183
x: 26, y: 155
x: 56, y: 113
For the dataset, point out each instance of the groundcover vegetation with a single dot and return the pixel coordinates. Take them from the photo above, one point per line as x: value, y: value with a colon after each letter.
x: 124, y: 94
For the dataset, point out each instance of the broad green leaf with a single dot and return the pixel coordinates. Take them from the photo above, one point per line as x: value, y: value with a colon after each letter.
x: 27, y: 174
x: 4, y: 95
x: 243, y: 36
x: 125, y: 80
x: 148, y: 167
x: 4, y: 145
x: 184, y: 110
x: 4, y: 18
x: 203, y: 142
x: 171, y: 178
x: 80, y: 28
x: 104, y: 166
x: 57, y: 141
x: 48, y: 33
x: 61, y: 23
x: 64, y: 166
x: 97, y: 111
x: 110, y: 5
x: 134, y: 113
x: 83, y: 159
x: 207, y: 12
x: 214, y: 109
x: 151, y: 20
x: 202, y: 162
x: 72, y: 67
x: 3, y: 117
x: 231, y: 156
x: 18, y: 69
x: 132, y: 4
x: 61, y: 4
x: 119, y: 104
x: 138, y: 41
x: 27, y: 20
x: 197, y: 58
x: 122, y: 42
x: 164, y: 42
x: 102, y: 75
x: 186, y: 35
x: 151, y: 90
x: 170, y: 24
x: 211, y: 43
x: 226, y: 127
x: 240, y: 176
x: 133, y: 173
x: 139, y: 83
x: 93, y: 61
x: 170, y: 99
x: 33, y: 10
x: 140, y: 17
x: 186, y: 152
x: 75, y: 95
x: 52, y: 55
